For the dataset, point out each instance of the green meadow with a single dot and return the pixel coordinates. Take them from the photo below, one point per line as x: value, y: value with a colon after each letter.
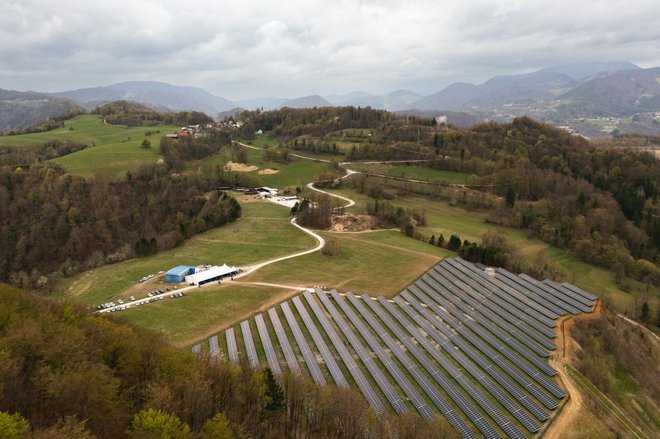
x: 111, y: 149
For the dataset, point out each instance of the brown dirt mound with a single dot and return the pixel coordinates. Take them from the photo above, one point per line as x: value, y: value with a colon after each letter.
x: 352, y: 223
x: 240, y: 167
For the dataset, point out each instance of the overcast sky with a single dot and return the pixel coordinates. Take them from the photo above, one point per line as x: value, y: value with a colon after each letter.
x: 242, y: 49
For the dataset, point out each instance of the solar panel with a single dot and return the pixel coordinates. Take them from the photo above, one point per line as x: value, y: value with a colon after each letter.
x: 289, y: 355
x: 250, y: 349
x: 476, y: 341
x: 447, y: 385
x: 214, y: 346
x: 378, y: 376
x: 306, y: 351
x: 440, y: 402
x: 364, y: 385
x: 328, y: 358
x: 532, y: 339
x: 392, y: 368
x: 231, y: 345
x: 440, y: 358
x: 271, y: 357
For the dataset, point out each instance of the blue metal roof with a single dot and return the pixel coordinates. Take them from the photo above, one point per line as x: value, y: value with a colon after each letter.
x: 181, y: 269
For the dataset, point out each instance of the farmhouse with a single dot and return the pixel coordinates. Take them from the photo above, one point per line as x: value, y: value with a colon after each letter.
x: 212, y: 274
x: 178, y: 274
x: 267, y: 191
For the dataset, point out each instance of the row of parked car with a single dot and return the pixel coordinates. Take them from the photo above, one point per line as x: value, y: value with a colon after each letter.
x: 152, y: 296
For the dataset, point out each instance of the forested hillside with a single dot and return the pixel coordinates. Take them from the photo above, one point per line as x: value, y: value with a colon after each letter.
x: 54, y: 223
x: 67, y: 374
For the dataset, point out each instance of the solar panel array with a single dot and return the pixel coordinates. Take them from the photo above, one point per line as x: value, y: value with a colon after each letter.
x: 458, y: 343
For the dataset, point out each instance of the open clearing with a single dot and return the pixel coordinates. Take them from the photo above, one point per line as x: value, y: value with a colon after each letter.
x: 262, y: 233
x: 111, y: 150
x: 381, y: 262
x: 414, y: 172
x: 296, y: 172
x: 205, y: 310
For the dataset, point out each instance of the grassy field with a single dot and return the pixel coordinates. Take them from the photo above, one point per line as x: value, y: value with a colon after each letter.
x: 416, y: 172
x: 382, y: 262
x: 262, y: 233
x: 111, y: 151
x: 204, y: 311
x: 442, y: 218
x: 297, y: 172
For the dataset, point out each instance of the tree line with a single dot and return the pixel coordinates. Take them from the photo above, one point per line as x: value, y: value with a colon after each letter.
x: 134, y: 114
x: 288, y: 123
x: 67, y: 374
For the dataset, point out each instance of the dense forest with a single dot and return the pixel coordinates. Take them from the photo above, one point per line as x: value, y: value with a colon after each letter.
x: 66, y: 374
x: 288, y: 122
x: 53, y: 223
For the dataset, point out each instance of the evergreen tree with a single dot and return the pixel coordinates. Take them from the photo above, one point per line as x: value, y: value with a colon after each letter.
x: 274, y: 393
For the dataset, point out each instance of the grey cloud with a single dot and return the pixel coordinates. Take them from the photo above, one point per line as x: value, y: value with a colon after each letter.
x: 303, y: 47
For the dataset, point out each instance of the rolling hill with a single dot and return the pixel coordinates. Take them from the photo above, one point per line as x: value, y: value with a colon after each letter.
x: 306, y: 102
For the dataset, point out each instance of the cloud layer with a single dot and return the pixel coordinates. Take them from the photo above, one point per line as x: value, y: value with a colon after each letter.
x: 292, y: 48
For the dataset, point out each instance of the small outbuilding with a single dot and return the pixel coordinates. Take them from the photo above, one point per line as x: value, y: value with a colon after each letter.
x: 178, y: 274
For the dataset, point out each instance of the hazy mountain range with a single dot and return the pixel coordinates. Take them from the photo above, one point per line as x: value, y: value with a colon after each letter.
x: 556, y: 94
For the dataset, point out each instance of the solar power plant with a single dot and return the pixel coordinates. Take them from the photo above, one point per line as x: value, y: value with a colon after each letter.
x: 231, y: 345
x: 250, y: 349
x: 271, y: 358
x: 462, y: 342
x: 214, y: 347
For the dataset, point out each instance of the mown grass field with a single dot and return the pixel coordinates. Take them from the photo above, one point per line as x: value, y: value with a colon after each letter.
x: 442, y: 218
x: 262, y: 233
x: 204, y: 311
x: 416, y: 172
x: 381, y: 262
x: 111, y: 149
x: 297, y: 172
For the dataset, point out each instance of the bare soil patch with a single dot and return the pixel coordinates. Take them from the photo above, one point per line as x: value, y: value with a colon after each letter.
x: 240, y: 167
x: 352, y: 223
x: 268, y: 171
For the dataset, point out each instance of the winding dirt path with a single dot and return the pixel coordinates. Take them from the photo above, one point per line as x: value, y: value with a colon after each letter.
x: 562, y: 356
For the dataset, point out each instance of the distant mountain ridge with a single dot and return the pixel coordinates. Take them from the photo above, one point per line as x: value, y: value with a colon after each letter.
x: 555, y: 94
x: 159, y: 95
x: 19, y: 110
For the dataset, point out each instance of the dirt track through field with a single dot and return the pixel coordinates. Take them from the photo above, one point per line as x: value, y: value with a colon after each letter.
x: 558, y: 360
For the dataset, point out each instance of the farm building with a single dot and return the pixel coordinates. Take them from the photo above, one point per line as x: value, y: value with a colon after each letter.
x: 178, y: 274
x: 212, y: 274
